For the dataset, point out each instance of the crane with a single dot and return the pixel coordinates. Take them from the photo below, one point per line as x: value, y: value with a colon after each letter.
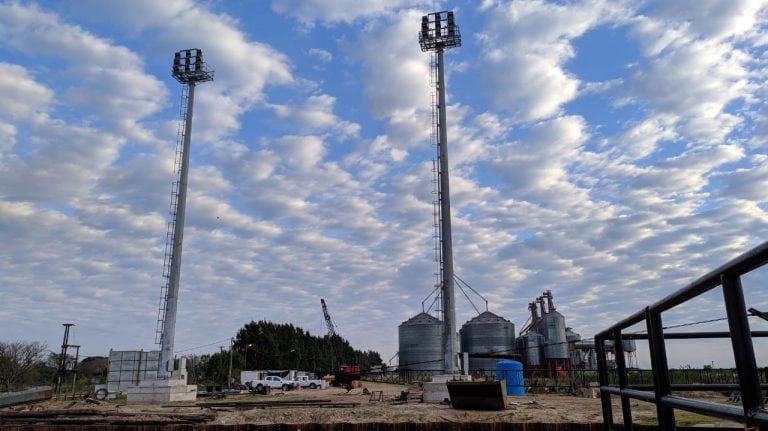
x: 345, y: 373
x: 328, y: 321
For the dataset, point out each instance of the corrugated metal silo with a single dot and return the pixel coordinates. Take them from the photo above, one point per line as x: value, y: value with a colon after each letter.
x: 571, y: 336
x: 592, y: 360
x: 529, y: 347
x: 420, y: 342
x: 552, y: 327
x: 578, y: 358
x: 487, y: 333
x: 628, y: 345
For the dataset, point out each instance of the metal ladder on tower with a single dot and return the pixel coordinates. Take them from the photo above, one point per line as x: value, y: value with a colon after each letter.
x: 169, y: 236
x: 436, y: 211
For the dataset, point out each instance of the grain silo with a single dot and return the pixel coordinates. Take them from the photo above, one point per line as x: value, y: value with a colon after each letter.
x: 552, y: 327
x: 487, y: 333
x: 420, y: 342
x: 529, y: 348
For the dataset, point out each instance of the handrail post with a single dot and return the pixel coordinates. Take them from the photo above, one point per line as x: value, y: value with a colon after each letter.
x: 621, y: 368
x: 743, y: 349
x: 662, y: 387
x: 602, y: 375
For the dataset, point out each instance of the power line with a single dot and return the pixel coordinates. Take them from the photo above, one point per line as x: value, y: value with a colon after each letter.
x: 643, y: 331
x: 695, y: 323
x: 204, y: 345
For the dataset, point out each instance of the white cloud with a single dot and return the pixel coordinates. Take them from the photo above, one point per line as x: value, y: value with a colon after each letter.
x: 698, y: 65
x: 23, y: 97
x: 746, y: 183
x: 643, y: 139
x: 525, y: 45
x: 105, y: 79
x: 335, y: 11
x: 396, y: 72
x: 321, y: 54
x: 243, y: 68
x: 540, y: 161
x: 54, y: 172
x: 301, y: 152
x: 713, y: 18
x: 316, y: 116
x: 7, y: 138
x: 696, y: 81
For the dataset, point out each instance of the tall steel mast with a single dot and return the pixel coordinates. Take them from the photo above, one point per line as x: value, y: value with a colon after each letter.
x: 438, y: 33
x: 189, y: 69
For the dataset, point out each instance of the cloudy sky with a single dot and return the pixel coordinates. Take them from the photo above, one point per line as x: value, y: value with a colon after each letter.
x: 611, y: 151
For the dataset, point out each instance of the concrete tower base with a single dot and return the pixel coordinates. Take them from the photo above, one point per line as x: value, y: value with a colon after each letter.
x: 161, y: 391
x: 436, y: 391
x: 164, y: 391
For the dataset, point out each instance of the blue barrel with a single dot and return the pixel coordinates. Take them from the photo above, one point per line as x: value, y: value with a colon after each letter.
x: 512, y: 372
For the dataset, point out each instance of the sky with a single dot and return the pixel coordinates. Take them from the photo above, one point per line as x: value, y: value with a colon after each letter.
x: 609, y: 151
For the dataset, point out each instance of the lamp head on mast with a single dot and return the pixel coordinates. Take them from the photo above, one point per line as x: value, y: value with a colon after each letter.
x: 189, y: 67
x: 439, y: 32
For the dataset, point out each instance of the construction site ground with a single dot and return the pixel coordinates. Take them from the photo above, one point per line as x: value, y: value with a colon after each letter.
x: 336, y: 405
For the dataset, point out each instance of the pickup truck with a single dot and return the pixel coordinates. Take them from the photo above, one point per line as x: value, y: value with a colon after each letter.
x: 306, y: 382
x: 273, y: 382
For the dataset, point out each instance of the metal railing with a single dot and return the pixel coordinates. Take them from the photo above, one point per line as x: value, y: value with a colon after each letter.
x: 751, y: 412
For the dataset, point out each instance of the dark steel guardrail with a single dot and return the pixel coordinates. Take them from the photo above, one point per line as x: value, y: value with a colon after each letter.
x: 751, y: 412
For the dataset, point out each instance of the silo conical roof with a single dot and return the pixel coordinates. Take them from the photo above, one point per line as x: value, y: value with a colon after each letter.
x: 486, y: 317
x: 422, y: 319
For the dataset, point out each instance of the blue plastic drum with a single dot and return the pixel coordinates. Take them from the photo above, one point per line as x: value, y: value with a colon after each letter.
x: 512, y: 372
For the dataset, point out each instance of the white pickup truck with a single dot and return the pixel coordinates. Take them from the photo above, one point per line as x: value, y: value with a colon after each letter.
x: 306, y: 382
x: 273, y: 382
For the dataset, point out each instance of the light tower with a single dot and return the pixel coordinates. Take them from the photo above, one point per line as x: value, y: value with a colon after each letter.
x: 189, y: 69
x: 438, y: 33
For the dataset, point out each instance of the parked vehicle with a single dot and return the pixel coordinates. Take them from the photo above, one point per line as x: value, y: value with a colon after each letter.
x: 273, y: 382
x: 306, y: 382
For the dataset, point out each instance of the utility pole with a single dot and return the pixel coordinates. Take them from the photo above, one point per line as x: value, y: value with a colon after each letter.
x: 229, y: 385
x: 62, y: 368
x: 74, y: 369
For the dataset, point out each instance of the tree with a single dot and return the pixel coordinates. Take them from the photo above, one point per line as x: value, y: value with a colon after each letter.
x: 18, y: 361
x: 94, y: 367
x: 284, y: 346
x: 214, y: 369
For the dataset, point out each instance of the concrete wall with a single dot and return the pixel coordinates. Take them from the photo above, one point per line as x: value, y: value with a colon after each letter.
x: 129, y: 367
x: 161, y: 391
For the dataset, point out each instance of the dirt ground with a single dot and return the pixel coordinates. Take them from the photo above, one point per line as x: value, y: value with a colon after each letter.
x: 540, y: 408
x: 544, y: 408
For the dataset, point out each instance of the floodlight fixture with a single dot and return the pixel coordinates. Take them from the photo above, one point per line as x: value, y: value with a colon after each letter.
x: 189, y: 67
x: 439, y: 32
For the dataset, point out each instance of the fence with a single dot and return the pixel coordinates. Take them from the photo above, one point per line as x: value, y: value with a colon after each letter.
x: 535, y: 377
x: 747, y: 382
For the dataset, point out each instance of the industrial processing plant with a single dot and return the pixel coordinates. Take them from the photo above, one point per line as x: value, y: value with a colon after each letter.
x: 545, y: 345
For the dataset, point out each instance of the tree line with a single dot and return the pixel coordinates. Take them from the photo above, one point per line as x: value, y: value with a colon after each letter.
x: 266, y: 345
x: 24, y: 364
